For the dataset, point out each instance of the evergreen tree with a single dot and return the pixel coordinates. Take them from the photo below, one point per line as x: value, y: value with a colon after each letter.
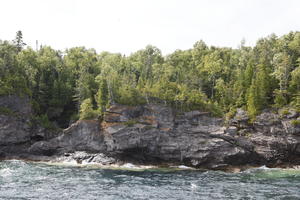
x: 102, y: 95
x: 18, y: 41
x: 79, y: 81
x: 86, y: 110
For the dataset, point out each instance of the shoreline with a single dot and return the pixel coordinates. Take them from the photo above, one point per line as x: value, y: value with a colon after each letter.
x: 123, y: 165
x: 155, y: 135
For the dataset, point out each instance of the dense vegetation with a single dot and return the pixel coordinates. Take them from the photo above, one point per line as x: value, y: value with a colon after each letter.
x: 81, y: 83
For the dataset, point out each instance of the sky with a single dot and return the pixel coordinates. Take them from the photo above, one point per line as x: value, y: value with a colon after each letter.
x: 126, y: 26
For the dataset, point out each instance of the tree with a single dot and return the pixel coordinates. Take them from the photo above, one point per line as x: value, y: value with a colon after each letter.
x: 18, y: 41
x: 212, y: 68
x: 12, y: 76
x: 282, y: 63
x: 253, y: 101
x: 102, y: 95
x: 83, y: 65
x: 295, y: 87
x: 86, y: 110
x: 259, y: 92
x: 79, y: 80
x: 27, y: 60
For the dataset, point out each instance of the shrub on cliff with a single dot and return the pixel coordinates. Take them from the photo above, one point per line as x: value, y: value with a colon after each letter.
x: 87, y: 111
x: 6, y: 111
x: 295, y: 122
x: 43, y: 121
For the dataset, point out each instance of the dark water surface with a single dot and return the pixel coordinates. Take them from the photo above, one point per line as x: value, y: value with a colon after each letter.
x: 22, y: 180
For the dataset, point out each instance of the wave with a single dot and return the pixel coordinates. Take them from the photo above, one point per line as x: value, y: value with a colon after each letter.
x: 6, y: 172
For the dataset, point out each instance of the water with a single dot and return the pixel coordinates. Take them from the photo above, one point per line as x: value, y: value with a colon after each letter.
x: 22, y: 180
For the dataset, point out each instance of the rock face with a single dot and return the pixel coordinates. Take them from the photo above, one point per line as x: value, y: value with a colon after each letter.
x: 17, y: 131
x: 14, y: 126
x: 156, y: 134
x: 82, y: 136
x: 16, y: 104
x: 275, y: 138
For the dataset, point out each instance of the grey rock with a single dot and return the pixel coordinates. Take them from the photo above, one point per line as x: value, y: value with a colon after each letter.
x: 289, y: 128
x: 241, y: 115
x: 292, y: 114
x: 158, y: 134
x: 43, y: 148
x: 13, y: 131
x: 16, y: 104
x: 84, y: 135
x: 103, y: 159
x: 267, y: 119
x: 232, y: 130
x: 81, y: 157
x: 240, y: 119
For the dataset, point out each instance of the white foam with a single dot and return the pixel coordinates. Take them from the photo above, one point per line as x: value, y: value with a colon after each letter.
x: 193, y: 186
x: 129, y: 165
x: 63, y: 163
x: 6, y: 172
x: 70, y: 162
x: 258, y: 169
x: 184, y: 167
x: 84, y: 162
x: 264, y: 167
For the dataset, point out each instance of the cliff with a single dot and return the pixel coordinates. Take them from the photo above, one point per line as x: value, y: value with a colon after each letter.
x: 157, y: 134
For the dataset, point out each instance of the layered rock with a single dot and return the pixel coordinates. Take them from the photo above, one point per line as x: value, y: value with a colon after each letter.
x: 14, y: 124
x: 17, y: 129
x: 157, y: 134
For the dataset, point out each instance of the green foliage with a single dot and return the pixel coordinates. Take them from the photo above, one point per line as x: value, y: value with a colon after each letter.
x: 102, y: 96
x: 74, y: 117
x: 130, y: 96
x: 253, y: 101
x: 130, y: 123
x: 6, y: 111
x: 44, y: 121
x: 19, y: 41
x: 294, y: 87
x: 81, y: 82
x: 87, y: 111
x: 283, y: 112
x: 280, y: 99
x: 296, y: 100
x: 215, y: 109
x: 229, y: 115
x: 295, y: 122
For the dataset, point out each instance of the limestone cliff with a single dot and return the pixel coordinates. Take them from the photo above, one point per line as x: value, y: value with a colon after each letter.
x: 160, y: 135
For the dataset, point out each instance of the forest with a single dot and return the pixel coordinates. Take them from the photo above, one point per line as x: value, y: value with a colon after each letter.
x: 80, y: 83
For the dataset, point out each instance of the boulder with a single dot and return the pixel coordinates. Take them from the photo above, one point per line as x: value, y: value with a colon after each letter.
x: 232, y: 130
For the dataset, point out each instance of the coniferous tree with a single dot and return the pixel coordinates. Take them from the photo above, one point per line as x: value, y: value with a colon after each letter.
x: 102, y: 96
x: 18, y: 41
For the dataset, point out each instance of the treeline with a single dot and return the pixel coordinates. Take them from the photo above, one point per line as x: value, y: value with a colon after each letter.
x: 80, y: 83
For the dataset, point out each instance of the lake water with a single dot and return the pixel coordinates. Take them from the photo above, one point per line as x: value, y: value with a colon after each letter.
x: 24, y: 180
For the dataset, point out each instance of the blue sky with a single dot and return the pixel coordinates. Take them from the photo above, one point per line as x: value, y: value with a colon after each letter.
x: 128, y: 25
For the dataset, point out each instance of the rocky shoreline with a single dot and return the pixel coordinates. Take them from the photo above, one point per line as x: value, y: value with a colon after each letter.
x: 154, y: 135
